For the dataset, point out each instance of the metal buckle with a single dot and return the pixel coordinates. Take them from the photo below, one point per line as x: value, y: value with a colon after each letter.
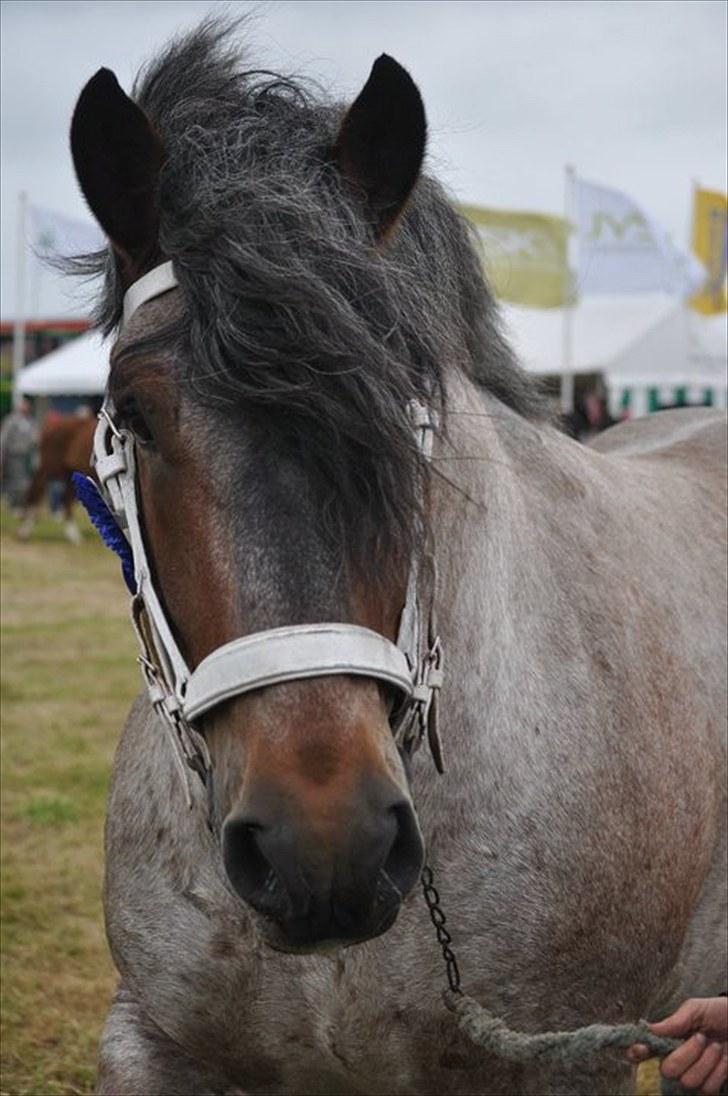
x: 432, y: 673
x: 188, y: 747
x: 422, y: 715
x: 105, y: 414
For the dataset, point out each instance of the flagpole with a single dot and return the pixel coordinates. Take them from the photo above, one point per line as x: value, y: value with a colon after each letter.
x: 688, y: 302
x: 35, y: 280
x: 19, y: 325
x: 715, y: 273
x: 567, y: 331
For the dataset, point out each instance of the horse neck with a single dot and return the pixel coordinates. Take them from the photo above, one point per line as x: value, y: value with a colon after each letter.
x: 496, y: 477
x: 498, y: 483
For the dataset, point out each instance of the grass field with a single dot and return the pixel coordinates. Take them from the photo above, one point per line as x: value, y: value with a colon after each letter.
x: 68, y: 674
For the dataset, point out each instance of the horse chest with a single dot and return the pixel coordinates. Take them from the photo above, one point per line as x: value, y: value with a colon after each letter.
x: 351, y: 1041
x: 326, y: 1029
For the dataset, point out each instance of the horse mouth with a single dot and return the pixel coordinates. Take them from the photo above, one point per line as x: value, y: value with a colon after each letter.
x: 308, y: 936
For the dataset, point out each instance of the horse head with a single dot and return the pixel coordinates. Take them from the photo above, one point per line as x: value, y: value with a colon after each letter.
x: 277, y: 480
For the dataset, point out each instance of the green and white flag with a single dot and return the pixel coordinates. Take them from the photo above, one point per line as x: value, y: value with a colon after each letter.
x: 621, y: 249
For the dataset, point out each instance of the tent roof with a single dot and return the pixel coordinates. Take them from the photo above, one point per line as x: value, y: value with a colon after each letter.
x: 682, y: 348
x: 78, y: 368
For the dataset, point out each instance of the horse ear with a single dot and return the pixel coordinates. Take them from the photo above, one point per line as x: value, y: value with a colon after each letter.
x: 117, y: 157
x: 381, y: 142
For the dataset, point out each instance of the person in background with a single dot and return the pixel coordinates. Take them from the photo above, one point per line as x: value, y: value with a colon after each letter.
x: 589, y: 417
x: 18, y: 446
x: 700, y: 1064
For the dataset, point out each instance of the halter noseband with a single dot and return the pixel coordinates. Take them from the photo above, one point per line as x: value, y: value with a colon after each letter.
x: 180, y: 696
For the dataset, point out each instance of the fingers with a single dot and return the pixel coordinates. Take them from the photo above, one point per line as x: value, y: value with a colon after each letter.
x: 638, y: 1052
x: 716, y: 1017
x: 685, y: 1019
x: 708, y: 1063
x: 712, y: 1084
x: 677, y: 1063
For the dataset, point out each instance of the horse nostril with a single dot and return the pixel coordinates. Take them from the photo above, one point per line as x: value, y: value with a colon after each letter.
x: 248, y: 869
x: 406, y: 857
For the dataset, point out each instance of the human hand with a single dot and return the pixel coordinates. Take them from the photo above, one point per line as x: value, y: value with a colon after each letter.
x: 701, y: 1062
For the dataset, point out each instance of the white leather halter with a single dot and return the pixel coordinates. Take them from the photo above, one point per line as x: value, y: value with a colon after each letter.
x: 180, y: 696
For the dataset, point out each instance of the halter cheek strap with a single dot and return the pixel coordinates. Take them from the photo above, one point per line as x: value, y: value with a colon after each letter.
x: 180, y: 696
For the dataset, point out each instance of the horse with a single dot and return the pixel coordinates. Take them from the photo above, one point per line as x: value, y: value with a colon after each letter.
x: 64, y: 447
x: 290, y: 289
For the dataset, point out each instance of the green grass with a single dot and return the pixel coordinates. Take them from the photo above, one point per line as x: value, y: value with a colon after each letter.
x: 68, y: 674
x: 50, y: 810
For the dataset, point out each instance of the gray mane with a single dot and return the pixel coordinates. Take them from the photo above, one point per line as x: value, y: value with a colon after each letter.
x: 290, y: 308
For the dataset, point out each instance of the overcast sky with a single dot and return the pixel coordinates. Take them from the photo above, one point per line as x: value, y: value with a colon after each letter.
x: 632, y: 92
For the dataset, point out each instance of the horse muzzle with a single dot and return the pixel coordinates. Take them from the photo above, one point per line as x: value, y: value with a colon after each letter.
x: 316, y: 886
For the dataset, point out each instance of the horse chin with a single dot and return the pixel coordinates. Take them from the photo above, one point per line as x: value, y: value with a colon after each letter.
x: 276, y: 937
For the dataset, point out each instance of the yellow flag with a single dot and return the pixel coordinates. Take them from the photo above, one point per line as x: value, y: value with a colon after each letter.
x: 710, y: 236
x: 525, y: 255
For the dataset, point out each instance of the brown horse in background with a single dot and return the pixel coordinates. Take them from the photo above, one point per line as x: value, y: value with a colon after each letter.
x: 64, y: 448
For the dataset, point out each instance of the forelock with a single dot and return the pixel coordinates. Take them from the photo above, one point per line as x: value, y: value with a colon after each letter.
x: 290, y: 306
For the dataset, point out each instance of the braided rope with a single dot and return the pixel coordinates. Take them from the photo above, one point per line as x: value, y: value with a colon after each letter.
x: 565, y: 1048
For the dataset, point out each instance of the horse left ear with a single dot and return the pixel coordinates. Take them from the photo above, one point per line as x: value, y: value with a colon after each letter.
x: 118, y: 156
x: 381, y: 143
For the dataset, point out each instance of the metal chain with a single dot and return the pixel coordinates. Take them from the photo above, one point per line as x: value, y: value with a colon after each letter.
x: 444, y: 939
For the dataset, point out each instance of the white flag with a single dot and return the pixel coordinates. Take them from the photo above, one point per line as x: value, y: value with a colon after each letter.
x: 54, y: 236
x: 623, y: 250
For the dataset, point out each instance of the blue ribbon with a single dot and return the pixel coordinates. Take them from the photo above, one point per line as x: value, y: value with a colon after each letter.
x: 88, y: 494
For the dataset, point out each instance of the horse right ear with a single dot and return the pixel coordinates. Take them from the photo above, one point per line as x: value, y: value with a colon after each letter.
x: 381, y: 142
x: 117, y: 157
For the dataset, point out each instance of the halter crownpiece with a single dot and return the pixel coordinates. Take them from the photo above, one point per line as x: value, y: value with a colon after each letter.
x: 180, y: 696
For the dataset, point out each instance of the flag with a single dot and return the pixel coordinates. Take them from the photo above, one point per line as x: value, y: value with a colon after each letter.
x: 55, y: 236
x: 710, y: 244
x: 623, y: 250
x: 525, y: 255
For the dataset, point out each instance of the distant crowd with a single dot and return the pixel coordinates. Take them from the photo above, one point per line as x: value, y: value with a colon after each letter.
x: 19, y: 436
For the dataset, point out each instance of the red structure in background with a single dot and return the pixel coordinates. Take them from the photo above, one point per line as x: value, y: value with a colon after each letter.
x: 41, y: 336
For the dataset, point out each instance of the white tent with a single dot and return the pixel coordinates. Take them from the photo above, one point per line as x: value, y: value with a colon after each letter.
x: 681, y: 359
x: 651, y: 349
x: 78, y: 368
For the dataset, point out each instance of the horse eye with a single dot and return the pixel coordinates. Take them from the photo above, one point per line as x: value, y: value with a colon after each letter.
x: 132, y: 418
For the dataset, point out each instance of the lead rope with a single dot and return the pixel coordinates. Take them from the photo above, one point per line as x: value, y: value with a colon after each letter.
x: 565, y: 1048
